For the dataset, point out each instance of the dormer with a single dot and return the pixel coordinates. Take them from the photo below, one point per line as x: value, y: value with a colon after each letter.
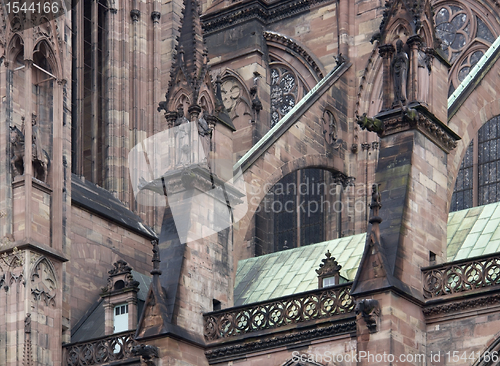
x: 120, y: 299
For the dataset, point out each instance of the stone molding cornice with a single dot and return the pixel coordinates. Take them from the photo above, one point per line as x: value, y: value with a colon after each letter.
x: 220, y: 354
x: 256, y: 9
x: 461, y: 305
x: 412, y: 117
x: 291, y: 44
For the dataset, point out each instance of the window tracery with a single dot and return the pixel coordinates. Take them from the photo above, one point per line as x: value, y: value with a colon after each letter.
x: 329, y: 127
x: 462, y: 195
x: 489, y: 162
x: 466, y: 34
x: 453, y: 26
x: 285, y: 91
x: 478, y: 179
x: 236, y: 100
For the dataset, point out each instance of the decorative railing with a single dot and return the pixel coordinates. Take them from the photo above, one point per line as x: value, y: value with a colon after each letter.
x: 460, y: 276
x: 100, y: 350
x: 311, y: 305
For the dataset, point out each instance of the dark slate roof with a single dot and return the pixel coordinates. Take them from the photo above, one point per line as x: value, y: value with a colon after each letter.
x: 101, y: 202
x: 92, y: 324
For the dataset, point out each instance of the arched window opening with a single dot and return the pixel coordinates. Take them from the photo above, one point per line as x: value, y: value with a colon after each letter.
x: 286, y: 90
x: 19, y: 93
x: 303, y: 208
x: 478, y: 179
x: 89, y: 66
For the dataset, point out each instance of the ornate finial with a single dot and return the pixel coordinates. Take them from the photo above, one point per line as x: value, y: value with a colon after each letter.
x: 156, y: 258
x: 120, y: 267
x: 329, y: 267
x: 120, y: 278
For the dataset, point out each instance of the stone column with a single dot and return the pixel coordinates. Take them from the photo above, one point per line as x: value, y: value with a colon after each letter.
x: 386, y: 51
x: 414, y: 43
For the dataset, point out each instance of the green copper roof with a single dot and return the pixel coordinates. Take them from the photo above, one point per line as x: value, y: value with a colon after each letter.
x: 472, y: 232
x: 292, y: 271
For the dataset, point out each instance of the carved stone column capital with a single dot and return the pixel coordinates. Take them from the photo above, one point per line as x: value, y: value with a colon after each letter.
x: 386, y: 51
x: 155, y: 16
x: 414, y: 41
x: 135, y: 14
x: 194, y: 111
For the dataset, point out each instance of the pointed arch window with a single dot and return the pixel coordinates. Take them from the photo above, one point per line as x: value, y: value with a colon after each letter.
x: 301, y: 209
x: 478, y: 179
x: 286, y: 90
x: 89, y: 39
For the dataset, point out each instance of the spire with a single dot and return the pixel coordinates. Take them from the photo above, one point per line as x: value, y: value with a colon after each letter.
x: 191, y: 39
x: 190, y: 64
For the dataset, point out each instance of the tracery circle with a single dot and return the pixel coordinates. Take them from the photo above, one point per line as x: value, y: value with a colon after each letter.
x: 453, y: 27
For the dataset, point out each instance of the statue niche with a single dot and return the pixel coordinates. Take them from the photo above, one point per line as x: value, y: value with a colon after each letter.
x: 40, y: 157
x: 399, y: 69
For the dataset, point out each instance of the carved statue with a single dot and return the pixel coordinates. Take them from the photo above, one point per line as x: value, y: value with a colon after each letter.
x: 41, y: 160
x: 399, y: 68
x: 17, y: 150
x: 182, y: 136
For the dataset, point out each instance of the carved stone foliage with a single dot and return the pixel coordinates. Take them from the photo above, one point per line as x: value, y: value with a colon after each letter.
x: 229, y: 352
x: 276, y: 313
x: 96, y: 352
x: 461, y: 305
x: 328, y: 271
x: 329, y: 267
x: 458, y: 277
x: 403, y: 119
x: 120, y: 267
x: 120, y: 279
x: 44, y: 282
